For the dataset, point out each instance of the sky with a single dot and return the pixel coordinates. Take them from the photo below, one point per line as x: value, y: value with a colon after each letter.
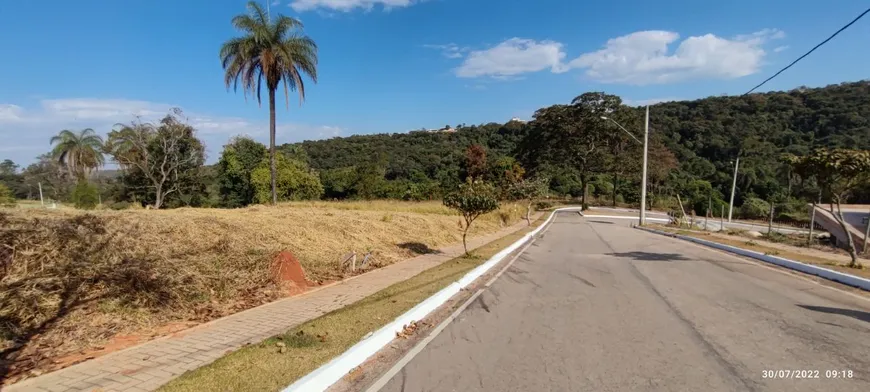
x: 390, y: 66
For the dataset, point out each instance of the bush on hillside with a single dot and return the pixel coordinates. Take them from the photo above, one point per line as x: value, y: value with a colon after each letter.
x: 294, y: 181
x: 755, y: 208
x: 6, y: 197
x: 85, y: 196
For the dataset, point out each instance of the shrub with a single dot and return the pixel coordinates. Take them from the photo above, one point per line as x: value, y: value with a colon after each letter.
x: 85, y: 196
x: 6, y: 198
x: 755, y: 208
x: 295, y: 181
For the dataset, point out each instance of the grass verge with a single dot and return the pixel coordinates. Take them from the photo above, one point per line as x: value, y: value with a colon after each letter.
x: 263, y: 367
x: 752, y: 245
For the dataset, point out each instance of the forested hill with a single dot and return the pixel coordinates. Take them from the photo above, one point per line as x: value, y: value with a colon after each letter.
x: 705, y: 135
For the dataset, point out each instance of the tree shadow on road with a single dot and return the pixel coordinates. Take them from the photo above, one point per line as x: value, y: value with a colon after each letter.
x: 649, y: 256
x: 856, y: 314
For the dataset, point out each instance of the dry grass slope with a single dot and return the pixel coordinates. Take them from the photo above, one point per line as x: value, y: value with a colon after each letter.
x: 71, y: 281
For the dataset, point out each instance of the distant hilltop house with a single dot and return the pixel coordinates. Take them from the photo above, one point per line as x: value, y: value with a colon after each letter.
x: 517, y: 119
x: 446, y: 129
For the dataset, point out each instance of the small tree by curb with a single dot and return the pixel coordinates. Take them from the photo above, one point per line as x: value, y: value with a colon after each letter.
x: 528, y: 190
x: 838, y: 172
x: 471, y: 200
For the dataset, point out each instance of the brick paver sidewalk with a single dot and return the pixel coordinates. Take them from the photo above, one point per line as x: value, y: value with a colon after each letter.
x: 148, y: 366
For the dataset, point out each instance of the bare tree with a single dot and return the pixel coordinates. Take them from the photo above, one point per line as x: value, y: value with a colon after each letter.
x: 160, y: 153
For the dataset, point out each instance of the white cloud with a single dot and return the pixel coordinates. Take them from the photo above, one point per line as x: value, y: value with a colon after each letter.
x: 9, y: 112
x: 451, y: 51
x: 23, y: 128
x: 644, y: 58
x: 513, y: 57
x: 639, y: 58
x: 780, y: 48
x: 348, y: 5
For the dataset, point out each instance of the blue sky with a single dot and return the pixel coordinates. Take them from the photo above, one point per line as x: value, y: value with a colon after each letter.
x: 397, y: 65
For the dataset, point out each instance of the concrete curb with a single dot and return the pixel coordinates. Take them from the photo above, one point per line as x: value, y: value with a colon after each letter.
x: 836, y: 276
x: 328, y: 374
x: 626, y: 217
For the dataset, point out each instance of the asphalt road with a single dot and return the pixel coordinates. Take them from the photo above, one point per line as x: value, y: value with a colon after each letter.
x: 597, y: 306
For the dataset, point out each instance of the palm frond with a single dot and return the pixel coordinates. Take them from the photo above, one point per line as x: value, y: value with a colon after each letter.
x: 271, y: 52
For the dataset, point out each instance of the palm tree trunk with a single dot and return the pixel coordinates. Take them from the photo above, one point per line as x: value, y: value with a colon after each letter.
x: 272, y: 169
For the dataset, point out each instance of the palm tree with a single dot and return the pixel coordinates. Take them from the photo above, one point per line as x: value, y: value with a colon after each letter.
x: 273, y: 52
x: 80, y: 152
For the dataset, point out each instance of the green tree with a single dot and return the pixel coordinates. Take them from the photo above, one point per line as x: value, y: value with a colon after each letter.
x: 80, y: 152
x: 471, y: 200
x: 295, y: 181
x: 6, y: 197
x: 85, y: 196
x: 369, y: 178
x: 528, y: 190
x: 238, y: 160
x: 7, y: 167
x: 272, y: 51
x: 574, y: 136
x: 14, y: 180
x: 838, y: 173
x: 338, y: 183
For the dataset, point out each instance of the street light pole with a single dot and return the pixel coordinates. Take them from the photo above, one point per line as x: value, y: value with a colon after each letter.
x: 643, y: 181
x: 645, y: 155
x: 733, y: 188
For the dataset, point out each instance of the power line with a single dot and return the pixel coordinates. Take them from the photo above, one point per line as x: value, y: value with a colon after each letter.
x: 811, y: 50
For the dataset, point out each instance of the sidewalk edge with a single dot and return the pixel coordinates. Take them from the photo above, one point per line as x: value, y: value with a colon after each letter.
x: 836, y: 276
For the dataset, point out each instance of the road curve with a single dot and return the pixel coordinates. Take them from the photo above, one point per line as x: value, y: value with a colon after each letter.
x: 594, y: 305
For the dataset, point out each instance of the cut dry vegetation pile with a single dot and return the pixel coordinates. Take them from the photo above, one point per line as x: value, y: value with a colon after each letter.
x: 70, y: 282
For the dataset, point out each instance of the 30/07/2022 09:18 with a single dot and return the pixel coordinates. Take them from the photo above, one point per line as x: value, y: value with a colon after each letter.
x: 799, y: 374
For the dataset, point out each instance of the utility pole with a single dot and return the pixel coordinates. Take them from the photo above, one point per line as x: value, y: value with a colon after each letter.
x: 41, y: 202
x: 733, y: 188
x: 643, y: 181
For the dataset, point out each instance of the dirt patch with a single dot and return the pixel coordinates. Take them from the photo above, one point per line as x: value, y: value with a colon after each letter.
x: 288, y: 273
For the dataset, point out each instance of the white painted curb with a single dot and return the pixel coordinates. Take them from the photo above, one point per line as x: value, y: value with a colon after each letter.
x: 836, y: 276
x: 626, y: 217
x: 338, y: 367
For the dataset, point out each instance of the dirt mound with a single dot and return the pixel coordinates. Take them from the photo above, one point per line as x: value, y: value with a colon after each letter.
x: 288, y: 274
